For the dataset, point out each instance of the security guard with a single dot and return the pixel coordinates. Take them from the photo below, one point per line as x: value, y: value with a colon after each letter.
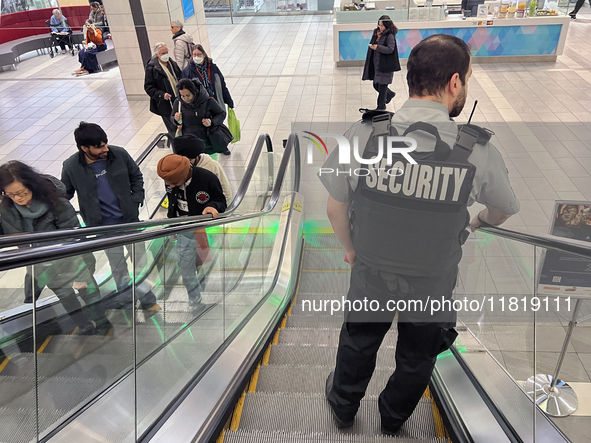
x: 408, y: 222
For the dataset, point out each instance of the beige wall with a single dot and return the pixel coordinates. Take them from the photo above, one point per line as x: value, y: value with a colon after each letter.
x: 158, y: 15
x: 63, y: 3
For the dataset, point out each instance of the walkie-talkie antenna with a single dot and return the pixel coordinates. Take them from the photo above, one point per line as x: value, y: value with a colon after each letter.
x: 473, y: 109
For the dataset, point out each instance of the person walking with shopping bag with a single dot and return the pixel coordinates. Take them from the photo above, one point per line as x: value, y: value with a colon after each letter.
x: 382, y: 60
x: 195, y: 112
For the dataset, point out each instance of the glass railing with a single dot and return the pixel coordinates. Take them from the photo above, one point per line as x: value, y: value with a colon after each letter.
x: 179, y: 293
x: 518, y: 303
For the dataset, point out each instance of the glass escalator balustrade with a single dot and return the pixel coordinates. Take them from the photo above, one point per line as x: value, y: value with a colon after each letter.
x: 159, y: 307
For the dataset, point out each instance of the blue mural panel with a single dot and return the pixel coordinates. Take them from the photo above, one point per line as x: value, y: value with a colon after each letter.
x: 484, y: 41
x: 188, y: 9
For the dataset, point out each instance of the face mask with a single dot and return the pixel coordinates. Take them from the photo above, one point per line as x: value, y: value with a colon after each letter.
x: 164, y: 58
x: 198, y: 60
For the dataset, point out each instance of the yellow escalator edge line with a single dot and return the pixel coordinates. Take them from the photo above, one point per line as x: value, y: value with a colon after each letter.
x: 221, y: 437
x: 439, y: 427
x: 252, y: 386
x: 5, y: 362
x: 237, y: 413
x: 266, y: 355
x: 289, y: 311
x: 44, y: 345
x: 276, y: 337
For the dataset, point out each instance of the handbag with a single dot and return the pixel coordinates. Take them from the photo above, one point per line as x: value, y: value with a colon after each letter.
x: 202, y: 246
x: 219, y: 135
x: 233, y: 125
x: 179, y: 128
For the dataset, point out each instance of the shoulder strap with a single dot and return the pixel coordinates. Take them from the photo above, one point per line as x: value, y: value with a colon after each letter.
x: 442, y: 150
x: 468, y: 136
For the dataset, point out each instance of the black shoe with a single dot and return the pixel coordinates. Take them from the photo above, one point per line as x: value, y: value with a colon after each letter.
x: 572, y: 16
x: 390, y: 432
x: 379, y: 108
x: 340, y: 423
x: 226, y: 152
x: 391, y: 95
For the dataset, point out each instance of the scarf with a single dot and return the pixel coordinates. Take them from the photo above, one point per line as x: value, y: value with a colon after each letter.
x: 202, y: 69
x: 171, y: 76
x: 29, y: 215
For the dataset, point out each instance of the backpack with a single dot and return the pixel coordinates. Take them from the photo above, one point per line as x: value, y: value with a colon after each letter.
x: 190, y: 46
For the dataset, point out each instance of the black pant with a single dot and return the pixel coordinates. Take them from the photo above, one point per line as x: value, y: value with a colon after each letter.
x: 578, y: 6
x: 383, y: 93
x: 419, y: 343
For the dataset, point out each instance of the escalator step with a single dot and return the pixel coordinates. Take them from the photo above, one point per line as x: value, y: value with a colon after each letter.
x: 310, y: 413
x: 242, y: 436
x: 319, y: 337
x: 322, y: 241
x: 61, y: 393
x: 315, y: 321
x: 18, y: 425
x: 325, y: 259
x: 324, y: 282
x: 310, y: 379
x: 289, y: 354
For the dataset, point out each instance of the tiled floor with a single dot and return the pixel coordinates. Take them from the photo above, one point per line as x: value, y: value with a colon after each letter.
x: 280, y: 70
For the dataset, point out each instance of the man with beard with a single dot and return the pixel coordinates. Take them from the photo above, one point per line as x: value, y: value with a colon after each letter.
x: 110, y: 189
x: 404, y: 233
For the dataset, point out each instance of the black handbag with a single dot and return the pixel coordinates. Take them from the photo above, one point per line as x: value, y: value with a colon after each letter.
x: 219, y: 135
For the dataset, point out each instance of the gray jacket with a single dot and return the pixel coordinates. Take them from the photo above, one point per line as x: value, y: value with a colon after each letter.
x: 124, y: 176
x: 182, y: 55
x: 62, y: 216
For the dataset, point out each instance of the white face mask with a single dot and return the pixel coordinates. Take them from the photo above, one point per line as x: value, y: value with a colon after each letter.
x: 198, y: 60
x: 164, y: 58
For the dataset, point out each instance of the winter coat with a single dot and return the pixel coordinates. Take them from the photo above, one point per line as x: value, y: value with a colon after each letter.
x: 156, y: 84
x: 204, y: 191
x: 125, y: 179
x: 206, y: 162
x: 380, y: 64
x: 182, y: 54
x: 221, y: 93
x: 62, y: 216
x: 202, y: 106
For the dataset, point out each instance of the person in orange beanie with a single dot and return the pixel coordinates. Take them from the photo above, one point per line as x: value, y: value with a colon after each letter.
x: 191, y: 191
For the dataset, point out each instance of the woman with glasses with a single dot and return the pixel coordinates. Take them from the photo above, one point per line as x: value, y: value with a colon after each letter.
x: 32, y: 202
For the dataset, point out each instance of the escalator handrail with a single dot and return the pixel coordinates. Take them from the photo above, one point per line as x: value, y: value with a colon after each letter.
x: 81, y: 233
x: 24, y: 257
x: 576, y: 247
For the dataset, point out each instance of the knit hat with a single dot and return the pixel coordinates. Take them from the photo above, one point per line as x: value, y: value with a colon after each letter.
x: 188, y: 145
x: 174, y: 168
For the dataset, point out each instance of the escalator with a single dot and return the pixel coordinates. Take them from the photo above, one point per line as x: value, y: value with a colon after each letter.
x: 252, y: 367
x: 285, y: 400
x: 47, y: 371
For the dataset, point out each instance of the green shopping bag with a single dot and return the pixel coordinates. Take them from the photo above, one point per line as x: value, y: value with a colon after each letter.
x: 233, y: 125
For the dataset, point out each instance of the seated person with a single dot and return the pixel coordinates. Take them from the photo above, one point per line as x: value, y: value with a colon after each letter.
x: 193, y: 148
x: 59, y: 30
x: 92, y: 46
x: 191, y: 191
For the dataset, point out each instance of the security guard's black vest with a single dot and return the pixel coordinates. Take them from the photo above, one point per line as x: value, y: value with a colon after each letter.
x: 411, y: 219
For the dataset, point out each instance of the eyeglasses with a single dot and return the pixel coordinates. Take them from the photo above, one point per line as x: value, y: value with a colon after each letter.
x: 20, y: 194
